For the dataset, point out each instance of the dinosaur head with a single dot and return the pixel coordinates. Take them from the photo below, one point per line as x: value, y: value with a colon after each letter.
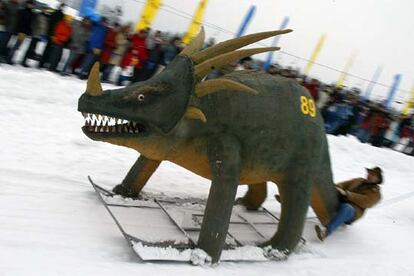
x: 156, y: 106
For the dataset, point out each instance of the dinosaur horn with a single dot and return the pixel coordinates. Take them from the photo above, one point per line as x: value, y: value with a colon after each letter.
x: 212, y: 86
x: 233, y: 44
x: 195, y: 44
x: 93, y: 87
x: 206, y: 67
x: 193, y: 113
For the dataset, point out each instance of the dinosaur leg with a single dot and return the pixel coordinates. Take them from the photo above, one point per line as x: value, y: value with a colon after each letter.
x: 255, y: 196
x: 224, y: 158
x: 137, y: 177
x: 295, y: 191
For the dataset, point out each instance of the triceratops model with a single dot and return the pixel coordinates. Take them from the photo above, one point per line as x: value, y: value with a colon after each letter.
x: 246, y: 127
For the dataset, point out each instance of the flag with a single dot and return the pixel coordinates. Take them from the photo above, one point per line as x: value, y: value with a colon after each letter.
x: 246, y: 21
x: 148, y: 14
x: 345, y: 71
x: 409, y: 104
x: 196, y: 23
x: 393, y: 90
x: 269, y: 59
x: 315, y: 54
x: 371, y: 84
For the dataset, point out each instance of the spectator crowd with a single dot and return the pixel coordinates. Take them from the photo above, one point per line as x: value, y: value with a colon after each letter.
x: 128, y: 56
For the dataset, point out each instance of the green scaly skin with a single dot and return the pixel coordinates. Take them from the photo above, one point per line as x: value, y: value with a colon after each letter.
x: 247, y: 139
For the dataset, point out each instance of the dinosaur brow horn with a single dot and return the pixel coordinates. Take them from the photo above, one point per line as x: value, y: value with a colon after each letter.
x: 233, y: 44
x: 93, y: 86
x: 206, y: 67
x: 212, y: 86
x: 195, y: 44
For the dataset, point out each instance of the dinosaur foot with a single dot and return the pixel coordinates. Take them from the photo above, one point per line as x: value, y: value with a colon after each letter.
x: 125, y: 191
x: 274, y: 252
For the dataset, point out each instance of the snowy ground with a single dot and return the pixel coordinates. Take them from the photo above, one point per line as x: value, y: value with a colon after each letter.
x: 51, y: 222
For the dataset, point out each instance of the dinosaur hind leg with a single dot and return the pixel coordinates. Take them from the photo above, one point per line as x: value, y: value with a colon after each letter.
x: 295, y: 190
x: 255, y: 196
x: 137, y: 177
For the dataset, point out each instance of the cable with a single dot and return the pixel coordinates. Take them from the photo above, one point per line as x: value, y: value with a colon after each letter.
x: 175, y: 11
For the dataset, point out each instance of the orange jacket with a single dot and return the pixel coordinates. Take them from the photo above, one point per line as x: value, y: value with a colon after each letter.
x: 62, y: 34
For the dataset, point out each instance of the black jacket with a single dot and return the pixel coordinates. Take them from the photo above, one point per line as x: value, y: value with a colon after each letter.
x: 26, y: 19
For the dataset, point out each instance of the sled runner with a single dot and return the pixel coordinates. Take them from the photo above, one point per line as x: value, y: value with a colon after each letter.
x: 166, y: 229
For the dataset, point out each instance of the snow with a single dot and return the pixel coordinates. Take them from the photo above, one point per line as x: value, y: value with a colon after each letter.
x: 52, y: 223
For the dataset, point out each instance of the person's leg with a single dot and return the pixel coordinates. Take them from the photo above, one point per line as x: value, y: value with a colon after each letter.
x: 55, y: 55
x: 46, y: 54
x: 107, y: 72
x: 13, y: 50
x: 3, y: 44
x: 30, y: 51
x: 345, y: 214
x: 87, y: 65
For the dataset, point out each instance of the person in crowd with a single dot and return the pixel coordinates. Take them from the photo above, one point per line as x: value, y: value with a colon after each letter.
x: 355, y: 196
x: 25, y: 20
x: 381, y: 123
x: 77, y: 44
x: 54, y: 17
x: 137, y: 55
x: 121, y: 46
x: 172, y: 49
x: 109, y: 47
x: 40, y: 28
x: 313, y: 88
x: 95, y: 45
x: 337, y: 115
x: 61, y: 38
x: 155, y: 57
x: 3, y: 17
x: 11, y: 11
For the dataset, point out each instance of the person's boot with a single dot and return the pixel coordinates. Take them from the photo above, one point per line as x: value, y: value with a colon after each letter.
x: 321, y: 232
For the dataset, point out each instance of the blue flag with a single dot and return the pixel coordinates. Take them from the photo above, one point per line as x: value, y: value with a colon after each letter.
x: 246, y: 21
x: 393, y: 90
x: 269, y: 58
x: 87, y: 8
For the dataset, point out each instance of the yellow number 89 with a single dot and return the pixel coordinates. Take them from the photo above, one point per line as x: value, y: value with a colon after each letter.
x: 308, y: 106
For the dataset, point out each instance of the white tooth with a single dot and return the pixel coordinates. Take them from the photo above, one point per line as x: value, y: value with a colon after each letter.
x: 119, y: 121
x: 96, y: 129
x: 134, y: 124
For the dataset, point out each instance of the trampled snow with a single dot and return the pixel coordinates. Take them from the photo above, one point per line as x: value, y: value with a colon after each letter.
x: 52, y: 223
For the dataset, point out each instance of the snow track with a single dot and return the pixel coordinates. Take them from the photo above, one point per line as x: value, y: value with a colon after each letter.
x: 51, y: 222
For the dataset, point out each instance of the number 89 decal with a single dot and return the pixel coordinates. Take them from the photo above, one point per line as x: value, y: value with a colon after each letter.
x: 308, y: 106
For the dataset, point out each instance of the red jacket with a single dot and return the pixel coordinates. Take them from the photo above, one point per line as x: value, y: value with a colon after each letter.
x: 137, y: 54
x: 109, y: 46
x: 62, y: 34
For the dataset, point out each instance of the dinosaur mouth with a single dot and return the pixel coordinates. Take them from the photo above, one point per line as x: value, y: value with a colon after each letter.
x: 103, y: 124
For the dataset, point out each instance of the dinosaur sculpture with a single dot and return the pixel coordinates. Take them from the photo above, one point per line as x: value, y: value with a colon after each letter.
x: 246, y: 127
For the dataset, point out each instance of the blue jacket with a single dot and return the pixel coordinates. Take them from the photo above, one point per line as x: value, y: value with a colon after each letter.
x: 97, y: 36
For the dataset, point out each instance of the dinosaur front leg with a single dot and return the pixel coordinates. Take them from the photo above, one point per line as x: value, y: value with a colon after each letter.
x: 295, y: 192
x: 255, y: 196
x: 137, y: 177
x: 224, y: 157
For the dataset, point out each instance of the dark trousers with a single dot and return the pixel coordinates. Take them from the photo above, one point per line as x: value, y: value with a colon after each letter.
x: 87, y: 64
x: 107, y: 69
x: 4, y: 41
x: 31, y: 51
x: 54, y: 57
x: 46, y: 53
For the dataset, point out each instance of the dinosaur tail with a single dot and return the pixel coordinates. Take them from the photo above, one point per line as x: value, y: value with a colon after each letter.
x: 324, y: 200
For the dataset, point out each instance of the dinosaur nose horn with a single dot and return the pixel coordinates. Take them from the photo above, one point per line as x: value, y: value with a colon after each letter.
x: 94, y: 87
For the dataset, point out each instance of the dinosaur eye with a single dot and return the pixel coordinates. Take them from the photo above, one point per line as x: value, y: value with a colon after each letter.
x: 141, y: 97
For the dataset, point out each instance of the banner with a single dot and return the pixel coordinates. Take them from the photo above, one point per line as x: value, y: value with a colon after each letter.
x: 196, y: 23
x: 246, y: 21
x: 372, y: 83
x: 315, y: 54
x: 269, y: 58
x: 87, y: 7
x: 345, y: 71
x: 409, y: 104
x: 393, y: 90
x: 148, y: 14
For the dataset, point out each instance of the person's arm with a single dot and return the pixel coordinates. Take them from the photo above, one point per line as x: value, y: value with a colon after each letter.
x: 364, y: 200
x: 346, y: 184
